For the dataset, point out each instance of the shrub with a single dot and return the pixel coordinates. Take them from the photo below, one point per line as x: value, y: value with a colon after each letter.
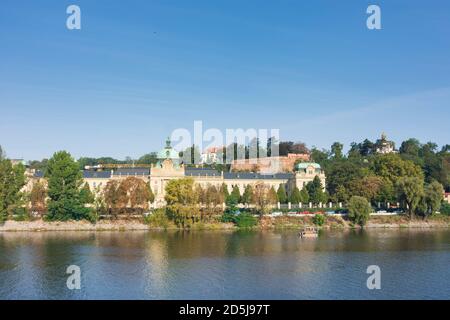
x: 20, y: 214
x: 359, y: 210
x: 319, y: 219
x: 445, y: 208
x: 245, y: 220
x: 158, y: 219
x: 228, y: 217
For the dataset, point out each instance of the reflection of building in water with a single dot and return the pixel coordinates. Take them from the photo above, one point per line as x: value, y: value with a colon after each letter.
x: 169, y: 167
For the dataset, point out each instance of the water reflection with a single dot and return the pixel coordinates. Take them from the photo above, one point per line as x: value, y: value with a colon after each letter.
x: 225, y: 265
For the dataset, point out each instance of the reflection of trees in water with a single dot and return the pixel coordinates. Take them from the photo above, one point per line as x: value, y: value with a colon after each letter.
x: 35, y: 262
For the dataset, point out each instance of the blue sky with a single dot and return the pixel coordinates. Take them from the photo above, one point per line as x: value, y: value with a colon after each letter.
x: 139, y: 69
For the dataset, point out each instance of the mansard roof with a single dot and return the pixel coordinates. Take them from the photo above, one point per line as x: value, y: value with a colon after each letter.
x: 96, y: 174
x: 131, y: 172
x: 256, y: 176
x: 201, y: 172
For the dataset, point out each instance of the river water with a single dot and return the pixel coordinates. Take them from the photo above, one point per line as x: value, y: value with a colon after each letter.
x: 225, y: 265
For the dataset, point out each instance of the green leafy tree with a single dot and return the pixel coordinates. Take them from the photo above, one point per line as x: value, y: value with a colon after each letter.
x: 341, y: 194
x: 149, y: 158
x: 247, y: 196
x: 86, y: 194
x: 235, y: 193
x: 64, y: 182
x: 281, y: 194
x: 273, y: 196
x: 336, y: 150
x: 433, y: 196
x: 182, y: 202
x: 304, y: 195
x: 225, y: 192
x: 367, y: 187
x: 392, y: 167
x: 315, y: 191
x: 295, y: 197
x: 359, y: 210
x: 410, y: 192
x: 12, y: 179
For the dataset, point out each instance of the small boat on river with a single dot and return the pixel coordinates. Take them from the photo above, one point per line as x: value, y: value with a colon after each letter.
x: 309, y: 232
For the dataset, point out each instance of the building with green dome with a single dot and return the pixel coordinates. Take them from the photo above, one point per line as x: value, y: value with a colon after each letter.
x: 169, y: 166
x: 168, y: 153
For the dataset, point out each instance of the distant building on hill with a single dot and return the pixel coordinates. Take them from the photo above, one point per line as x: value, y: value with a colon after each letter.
x: 384, y: 146
x: 210, y: 156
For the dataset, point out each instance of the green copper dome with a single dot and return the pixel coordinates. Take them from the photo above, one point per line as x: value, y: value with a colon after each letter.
x: 168, y: 152
x: 304, y: 165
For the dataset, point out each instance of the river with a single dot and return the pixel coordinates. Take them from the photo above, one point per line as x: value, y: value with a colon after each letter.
x: 414, y: 264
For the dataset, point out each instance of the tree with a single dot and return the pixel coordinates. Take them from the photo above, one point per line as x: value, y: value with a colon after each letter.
x: 341, y: 173
x: 150, y: 193
x: 137, y: 194
x: 86, y: 195
x: 410, y: 191
x: 409, y: 150
x: 319, y: 156
x: 295, y: 196
x: 148, y: 158
x: 12, y: 179
x: 392, y: 167
x: 273, y: 196
x: 263, y: 197
x: 247, y: 196
x: 336, y: 150
x: 224, y: 190
x: 341, y: 194
x: 64, y: 182
x: 182, y: 202
x: 359, y: 210
x: 114, y: 197
x: 281, y: 194
x: 236, y: 194
x: 433, y: 196
x: 37, y: 197
x: 2, y: 154
x: 304, y: 195
x: 367, y: 187
x: 315, y: 191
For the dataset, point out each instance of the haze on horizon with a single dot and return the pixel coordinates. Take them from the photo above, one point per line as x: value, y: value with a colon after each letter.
x: 134, y: 73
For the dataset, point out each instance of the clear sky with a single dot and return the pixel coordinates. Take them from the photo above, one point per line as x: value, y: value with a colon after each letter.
x: 139, y: 69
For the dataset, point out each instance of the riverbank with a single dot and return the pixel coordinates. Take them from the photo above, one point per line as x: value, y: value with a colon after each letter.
x: 282, y: 222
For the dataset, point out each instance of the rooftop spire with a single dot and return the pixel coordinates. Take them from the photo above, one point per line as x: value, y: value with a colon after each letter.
x: 168, y: 143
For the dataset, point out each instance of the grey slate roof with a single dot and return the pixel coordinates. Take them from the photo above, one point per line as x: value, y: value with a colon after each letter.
x: 96, y: 174
x: 256, y: 176
x: 201, y: 172
x: 132, y: 172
